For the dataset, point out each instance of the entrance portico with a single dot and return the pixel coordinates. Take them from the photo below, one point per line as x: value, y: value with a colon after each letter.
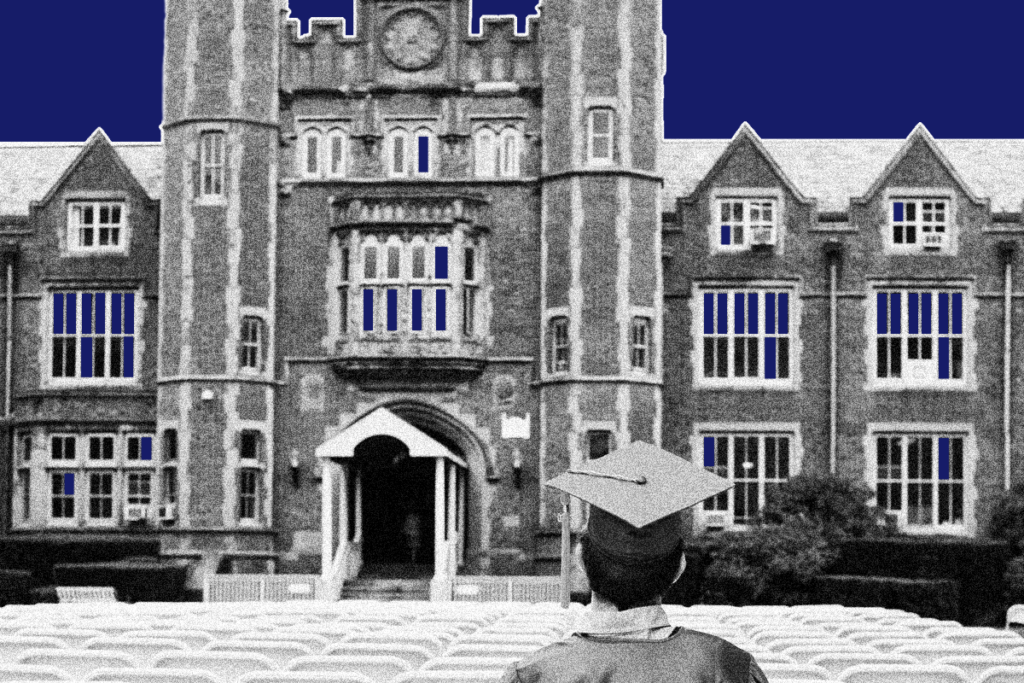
x: 342, y: 498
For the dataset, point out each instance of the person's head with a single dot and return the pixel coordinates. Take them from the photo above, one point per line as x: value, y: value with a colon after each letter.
x: 633, y: 582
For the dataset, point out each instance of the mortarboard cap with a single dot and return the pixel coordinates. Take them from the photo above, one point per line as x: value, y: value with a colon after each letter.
x: 636, y: 494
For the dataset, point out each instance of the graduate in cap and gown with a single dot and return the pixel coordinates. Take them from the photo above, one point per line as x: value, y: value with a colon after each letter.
x: 632, y: 553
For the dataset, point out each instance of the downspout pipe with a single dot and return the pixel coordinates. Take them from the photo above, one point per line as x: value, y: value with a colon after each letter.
x: 1006, y: 252
x: 834, y: 256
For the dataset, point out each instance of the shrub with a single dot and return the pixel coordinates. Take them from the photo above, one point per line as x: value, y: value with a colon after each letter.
x: 1013, y: 577
x: 766, y: 564
x: 936, y: 598
x: 134, y: 581
x: 1007, y: 523
x: 838, y: 505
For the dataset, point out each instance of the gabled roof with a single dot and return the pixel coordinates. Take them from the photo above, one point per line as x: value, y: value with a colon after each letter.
x: 920, y: 134
x: 29, y: 171
x: 745, y: 133
x: 834, y: 171
x: 384, y: 422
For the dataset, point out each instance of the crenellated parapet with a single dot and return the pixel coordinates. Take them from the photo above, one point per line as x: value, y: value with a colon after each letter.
x: 420, y: 45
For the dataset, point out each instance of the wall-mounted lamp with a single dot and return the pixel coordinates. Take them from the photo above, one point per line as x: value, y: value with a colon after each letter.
x: 295, y: 467
x: 517, y: 468
x: 206, y: 395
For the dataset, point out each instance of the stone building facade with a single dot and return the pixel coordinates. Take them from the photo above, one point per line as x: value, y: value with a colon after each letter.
x: 371, y: 291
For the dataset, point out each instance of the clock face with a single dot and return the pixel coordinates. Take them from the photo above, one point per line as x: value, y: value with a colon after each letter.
x: 412, y: 39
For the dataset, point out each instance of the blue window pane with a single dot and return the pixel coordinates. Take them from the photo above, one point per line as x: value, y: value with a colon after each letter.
x: 417, y: 310
x: 440, y: 263
x: 129, y: 357
x: 926, y: 313
x: 783, y: 313
x: 752, y: 316
x: 424, y: 165
x: 943, y: 313
x: 769, y: 313
x: 943, y: 357
x: 883, y: 313
x: 912, y: 309
x: 392, y: 310
x: 894, y: 322
x: 86, y: 356
x: 69, y: 321
x: 769, y: 358
x: 87, y: 313
x: 147, y: 448
x: 958, y: 313
x: 897, y: 211
x: 58, y: 313
x: 69, y: 483
x: 709, y: 313
x: 943, y: 458
x: 723, y: 305
x: 726, y: 235
x: 115, y: 313
x: 709, y: 451
x: 129, y: 313
x: 738, y: 313
x: 442, y: 324
x: 367, y: 310
x: 101, y: 312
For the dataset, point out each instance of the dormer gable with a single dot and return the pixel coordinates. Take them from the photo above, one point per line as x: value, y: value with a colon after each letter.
x: 96, y: 169
x: 744, y: 197
x: 746, y: 162
x: 917, y: 201
x: 919, y: 163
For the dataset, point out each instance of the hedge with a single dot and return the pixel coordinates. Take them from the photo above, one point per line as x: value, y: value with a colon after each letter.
x: 938, y: 598
x: 134, y: 581
x: 978, y: 566
x: 15, y: 587
x: 39, y: 555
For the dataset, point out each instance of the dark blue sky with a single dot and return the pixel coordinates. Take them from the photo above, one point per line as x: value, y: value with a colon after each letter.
x: 795, y: 69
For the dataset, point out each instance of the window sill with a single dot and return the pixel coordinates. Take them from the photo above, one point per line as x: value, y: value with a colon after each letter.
x: 216, y: 200
x: 760, y: 385
x: 933, y: 385
x: 80, y: 253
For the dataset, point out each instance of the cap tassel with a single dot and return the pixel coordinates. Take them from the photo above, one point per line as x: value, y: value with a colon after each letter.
x: 564, y: 517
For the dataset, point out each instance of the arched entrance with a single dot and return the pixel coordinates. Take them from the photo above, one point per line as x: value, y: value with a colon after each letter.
x: 397, y: 509
x: 393, y: 500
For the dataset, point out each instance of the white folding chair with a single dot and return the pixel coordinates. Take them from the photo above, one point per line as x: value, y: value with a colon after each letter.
x: 774, y: 657
x: 71, y: 637
x: 903, y: 673
x: 415, y: 655
x: 279, y: 651
x: 429, y: 642
x: 783, y: 644
x: 427, y: 676
x: 153, y: 676
x: 116, y: 627
x: 975, y: 665
x: 838, y: 662
x: 890, y: 644
x: 380, y: 668
x: 1003, y: 674
x: 226, y: 665
x: 802, y: 653
x: 971, y: 634
x: 1000, y: 646
x: 506, y: 638
x: 472, y: 650
x: 76, y: 663
x: 928, y: 652
x: 12, y: 646
x: 775, y: 670
x: 142, y: 650
x: 31, y: 672
x: 304, y: 677
x: 469, y: 663
x: 194, y: 640
x: 315, y: 642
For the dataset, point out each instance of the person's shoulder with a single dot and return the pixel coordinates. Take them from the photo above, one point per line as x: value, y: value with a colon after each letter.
x: 698, y: 640
x: 552, y: 656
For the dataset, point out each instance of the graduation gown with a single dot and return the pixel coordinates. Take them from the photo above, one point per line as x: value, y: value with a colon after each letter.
x: 685, y: 656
